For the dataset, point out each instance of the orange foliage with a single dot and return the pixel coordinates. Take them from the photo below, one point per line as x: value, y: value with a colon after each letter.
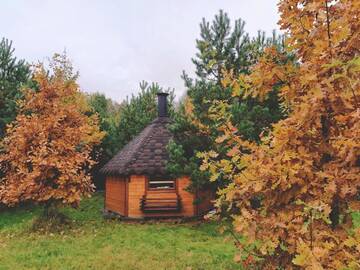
x: 306, y: 173
x: 47, y: 149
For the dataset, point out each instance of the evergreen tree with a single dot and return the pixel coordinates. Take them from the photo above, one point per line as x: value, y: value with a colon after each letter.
x: 109, y: 115
x: 108, y: 112
x: 221, y: 49
x: 138, y: 111
x: 14, y: 74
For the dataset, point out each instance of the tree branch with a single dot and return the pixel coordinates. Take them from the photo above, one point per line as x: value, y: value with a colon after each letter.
x: 328, y: 26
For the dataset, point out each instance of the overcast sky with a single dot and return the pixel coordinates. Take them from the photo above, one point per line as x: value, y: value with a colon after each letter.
x: 116, y: 44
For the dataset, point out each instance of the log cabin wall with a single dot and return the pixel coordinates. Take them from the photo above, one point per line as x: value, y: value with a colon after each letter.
x: 187, y: 198
x: 137, y: 187
x: 123, y: 195
x: 115, y: 195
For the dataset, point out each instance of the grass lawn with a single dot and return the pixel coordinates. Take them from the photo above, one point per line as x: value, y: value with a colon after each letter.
x: 95, y: 243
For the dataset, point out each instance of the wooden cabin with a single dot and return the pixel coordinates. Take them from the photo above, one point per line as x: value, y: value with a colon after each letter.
x: 136, y: 182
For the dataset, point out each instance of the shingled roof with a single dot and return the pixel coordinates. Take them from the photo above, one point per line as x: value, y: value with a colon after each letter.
x: 146, y: 154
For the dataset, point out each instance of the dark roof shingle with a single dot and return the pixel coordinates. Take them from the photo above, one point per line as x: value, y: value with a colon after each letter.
x: 145, y: 154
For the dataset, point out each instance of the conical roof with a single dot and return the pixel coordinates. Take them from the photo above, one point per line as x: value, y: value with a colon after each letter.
x: 146, y: 154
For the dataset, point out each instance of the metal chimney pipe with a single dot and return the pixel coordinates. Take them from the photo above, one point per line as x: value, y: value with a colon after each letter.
x: 162, y: 104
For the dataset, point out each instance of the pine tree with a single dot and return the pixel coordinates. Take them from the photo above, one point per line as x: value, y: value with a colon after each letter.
x: 138, y: 111
x: 221, y: 48
x: 14, y: 74
x: 108, y: 112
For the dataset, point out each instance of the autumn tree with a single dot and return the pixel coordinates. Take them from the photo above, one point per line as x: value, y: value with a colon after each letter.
x: 292, y: 196
x: 14, y: 74
x: 46, y: 153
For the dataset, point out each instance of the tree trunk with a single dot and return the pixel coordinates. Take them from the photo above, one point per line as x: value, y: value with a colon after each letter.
x: 50, y: 210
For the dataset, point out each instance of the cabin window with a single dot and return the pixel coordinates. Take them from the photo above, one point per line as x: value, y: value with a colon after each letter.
x: 158, y: 184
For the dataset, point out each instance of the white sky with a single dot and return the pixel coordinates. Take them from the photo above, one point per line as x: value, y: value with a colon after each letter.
x: 116, y: 44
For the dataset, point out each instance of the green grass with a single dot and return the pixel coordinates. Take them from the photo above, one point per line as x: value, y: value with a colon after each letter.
x: 95, y: 243
x: 356, y: 219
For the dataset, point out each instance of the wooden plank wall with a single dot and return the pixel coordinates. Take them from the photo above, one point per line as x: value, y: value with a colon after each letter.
x: 137, y: 189
x: 136, y: 192
x: 187, y: 198
x: 124, y: 198
x: 115, y: 197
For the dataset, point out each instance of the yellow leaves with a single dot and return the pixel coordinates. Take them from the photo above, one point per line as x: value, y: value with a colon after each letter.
x: 263, y: 77
x: 212, y: 154
x: 317, y: 93
x: 341, y: 30
x: 219, y: 110
x: 308, y: 158
x: 245, y: 226
x: 287, y: 156
x: 321, y: 46
x: 189, y: 113
x: 226, y: 166
x: 211, y: 63
x: 189, y: 106
x: 204, y: 166
x: 214, y: 176
x: 222, y: 138
x: 47, y: 151
x: 228, y: 78
x: 239, y: 86
x: 269, y: 247
x: 305, y: 258
x: 351, y: 242
x: 209, y: 165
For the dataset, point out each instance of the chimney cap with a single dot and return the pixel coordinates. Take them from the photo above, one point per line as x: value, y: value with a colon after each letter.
x: 162, y: 94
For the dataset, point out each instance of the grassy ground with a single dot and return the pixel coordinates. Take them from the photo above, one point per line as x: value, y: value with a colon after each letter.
x: 95, y: 243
